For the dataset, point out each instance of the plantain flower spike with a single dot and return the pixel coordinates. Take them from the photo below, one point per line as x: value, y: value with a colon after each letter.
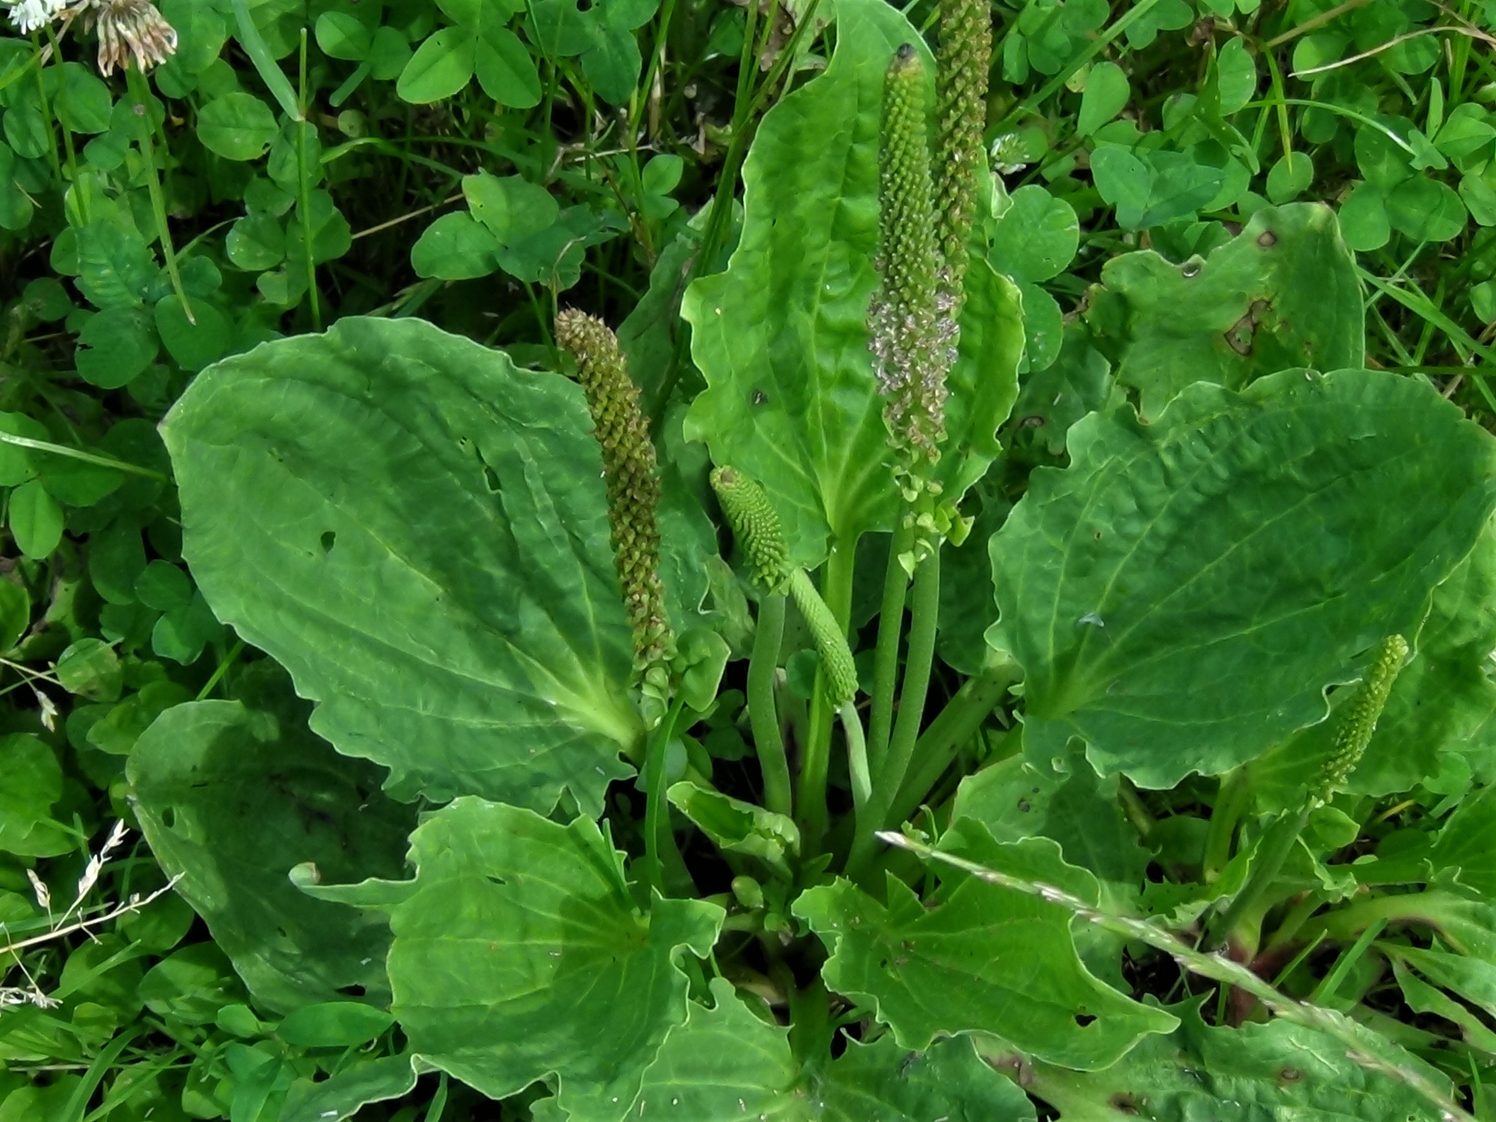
x: 629, y: 471
x: 1358, y: 718
x: 964, y: 62
x: 909, y: 320
x: 754, y: 524
x: 756, y: 527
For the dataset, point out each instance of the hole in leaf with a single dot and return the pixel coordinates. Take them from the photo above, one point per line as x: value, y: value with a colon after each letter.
x: 1084, y: 1019
x: 169, y: 817
x: 491, y: 480
x: 329, y: 538
x: 1267, y: 239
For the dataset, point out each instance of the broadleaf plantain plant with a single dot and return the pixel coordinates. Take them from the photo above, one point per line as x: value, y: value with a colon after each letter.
x: 489, y: 587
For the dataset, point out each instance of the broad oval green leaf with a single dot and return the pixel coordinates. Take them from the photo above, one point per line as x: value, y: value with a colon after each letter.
x: 1465, y: 850
x: 983, y: 958
x: 1105, y: 95
x: 1254, y: 1073
x: 454, y: 247
x: 441, y: 66
x: 519, y: 954
x: 236, y: 126
x: 416, y: 529
x: 231, y: 799
x: 1036, y: 237
x: 738, y: 827
x: 725, y: 1064
x: 1182, y: 594
x: 505, y: 69
x: 348, y: 1090
x: 1017, y: 798
x: 33, y: 786
x: 35, y: 519
x: 1425, y: 210
x: 781, y: 337
x: 1282, y: 294
x: 116, y: 346
x: 333, y: 1024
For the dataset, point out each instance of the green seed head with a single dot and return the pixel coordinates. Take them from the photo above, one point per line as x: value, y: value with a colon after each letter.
x: 830, y: 642
x: 754, y: 524
x: 629, y: 471
x: 1358, y: 717
x: 912, y: 331
x: 965, y: 60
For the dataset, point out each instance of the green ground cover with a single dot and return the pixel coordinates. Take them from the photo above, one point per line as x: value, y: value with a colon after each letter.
x: 808, y: 559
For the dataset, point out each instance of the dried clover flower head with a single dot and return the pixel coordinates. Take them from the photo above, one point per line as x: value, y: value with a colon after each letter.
x: 128, y: 29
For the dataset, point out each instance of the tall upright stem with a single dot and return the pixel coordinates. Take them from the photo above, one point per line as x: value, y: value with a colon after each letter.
x: 812, y: 811
x: 890, y: 630
x: 956, y: 724
x: 660, y: 849
x: 924, y: 616
x: 762, y: 713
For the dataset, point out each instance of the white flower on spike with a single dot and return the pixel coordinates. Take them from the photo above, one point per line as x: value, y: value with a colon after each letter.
x: 43, y: 893
x: 96, y: 863
x: 14, y: 995
x: 48, y: 709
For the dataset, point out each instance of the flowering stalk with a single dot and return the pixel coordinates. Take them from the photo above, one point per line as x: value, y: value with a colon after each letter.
x: 964, y: 62
x: 911, y: 330
x: 756, y: 526
x: 629, y: 470
x: 1356, y: 721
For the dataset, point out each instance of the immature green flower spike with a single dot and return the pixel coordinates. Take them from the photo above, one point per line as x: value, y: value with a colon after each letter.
x: 756, y: 527
x: 830, y: 642
x: 912, y: 330
x: 1358, y: 717
x: 964, y: 62
x: 754, y: 524
x: 629, y: 471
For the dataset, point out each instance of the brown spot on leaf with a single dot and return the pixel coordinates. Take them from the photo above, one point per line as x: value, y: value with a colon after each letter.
x: 1241, y: 334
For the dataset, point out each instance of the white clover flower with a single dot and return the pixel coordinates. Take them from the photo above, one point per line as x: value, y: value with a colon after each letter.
x: 28, y: 15
x: 128, y: 29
